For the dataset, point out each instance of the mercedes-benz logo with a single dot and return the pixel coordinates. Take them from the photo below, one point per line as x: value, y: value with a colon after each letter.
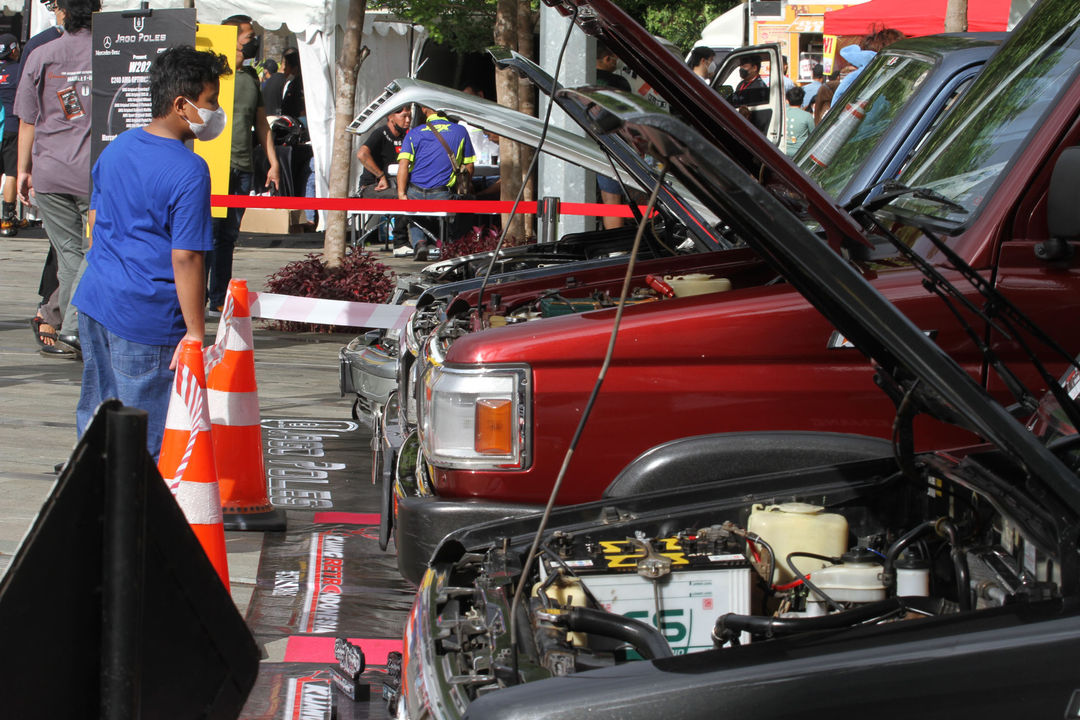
x: 107, y: 42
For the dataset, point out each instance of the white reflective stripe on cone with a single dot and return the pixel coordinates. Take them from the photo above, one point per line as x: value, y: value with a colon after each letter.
x: 201, y: 502
x: 239, y: 339
x: 238, y: 409
x: 178, y: 417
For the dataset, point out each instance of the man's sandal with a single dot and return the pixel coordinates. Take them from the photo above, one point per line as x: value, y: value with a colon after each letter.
x: 54, y: 349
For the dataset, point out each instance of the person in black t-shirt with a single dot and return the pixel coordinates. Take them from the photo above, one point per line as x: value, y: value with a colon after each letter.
x: 377, y: 154
x: 9, y: 147
x: 752, y: 90
x: 606, y: 62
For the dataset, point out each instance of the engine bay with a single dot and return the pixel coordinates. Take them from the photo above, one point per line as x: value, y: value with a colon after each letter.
x: 727, y: 575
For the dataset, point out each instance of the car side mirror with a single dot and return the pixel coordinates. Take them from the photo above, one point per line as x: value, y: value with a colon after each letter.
x: 1062, y: 209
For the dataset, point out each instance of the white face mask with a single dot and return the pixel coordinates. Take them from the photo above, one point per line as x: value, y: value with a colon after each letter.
x: 712, y: 68
x: 213, y: 122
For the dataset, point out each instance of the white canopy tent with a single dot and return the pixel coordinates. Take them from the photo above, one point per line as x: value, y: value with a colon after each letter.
x: 395, y: 48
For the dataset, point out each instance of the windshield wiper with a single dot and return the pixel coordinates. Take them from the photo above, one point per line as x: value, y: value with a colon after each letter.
x: 893, y: 189
x: 997, y: 308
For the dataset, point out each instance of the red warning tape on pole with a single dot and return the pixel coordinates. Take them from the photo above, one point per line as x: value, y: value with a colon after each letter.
x: 396, y: 207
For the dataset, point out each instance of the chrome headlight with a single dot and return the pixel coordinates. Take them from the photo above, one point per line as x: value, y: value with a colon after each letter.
x: 412, y: 343
x: 476, y: 419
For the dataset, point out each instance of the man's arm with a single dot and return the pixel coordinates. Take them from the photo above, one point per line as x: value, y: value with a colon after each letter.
x: 402, y: 179
x: 24, y: 183
x: 368, y: 161
x: 188, y: 269
x: 262, y: 131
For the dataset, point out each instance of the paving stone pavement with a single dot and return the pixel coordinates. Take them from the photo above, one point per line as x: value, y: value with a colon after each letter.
x: 297, y: 378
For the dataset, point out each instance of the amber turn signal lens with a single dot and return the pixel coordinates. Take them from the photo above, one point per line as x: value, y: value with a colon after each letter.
x: 494, y: 426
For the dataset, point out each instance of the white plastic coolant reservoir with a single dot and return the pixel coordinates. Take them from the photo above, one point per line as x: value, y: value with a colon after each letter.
x: 856, y: 582
x: 696, y: 284
x: 799, y: 527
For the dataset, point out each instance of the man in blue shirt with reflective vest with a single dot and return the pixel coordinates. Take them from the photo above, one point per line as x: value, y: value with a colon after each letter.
x: 425, y: 170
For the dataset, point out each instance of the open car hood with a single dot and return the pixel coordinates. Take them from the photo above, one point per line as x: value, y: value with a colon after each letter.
x: 713, y: 117
x: 483, y: 114
x: 831, y: 284
x: 577, y: 149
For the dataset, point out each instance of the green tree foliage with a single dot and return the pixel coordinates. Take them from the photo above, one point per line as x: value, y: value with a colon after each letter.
x: 680, y: 22
x: 463, y: 25
x: 466, y: 25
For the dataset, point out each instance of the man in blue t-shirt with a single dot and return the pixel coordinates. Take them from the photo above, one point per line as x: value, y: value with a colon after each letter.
x: 143, y: 291
x: 425, y: 171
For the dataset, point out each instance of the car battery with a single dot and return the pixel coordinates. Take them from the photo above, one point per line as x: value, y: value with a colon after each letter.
x: 704, y: 583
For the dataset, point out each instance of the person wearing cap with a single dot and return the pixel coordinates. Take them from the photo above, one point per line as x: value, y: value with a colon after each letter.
x: 9, y: 146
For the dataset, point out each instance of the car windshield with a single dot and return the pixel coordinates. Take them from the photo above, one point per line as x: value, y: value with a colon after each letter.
x: 840, y: 145
x: 969, y: 151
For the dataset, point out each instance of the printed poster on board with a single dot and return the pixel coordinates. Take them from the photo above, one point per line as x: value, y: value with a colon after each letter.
x: 125, y: 46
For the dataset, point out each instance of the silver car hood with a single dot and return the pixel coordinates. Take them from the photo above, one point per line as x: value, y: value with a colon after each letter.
x: 487, y: 115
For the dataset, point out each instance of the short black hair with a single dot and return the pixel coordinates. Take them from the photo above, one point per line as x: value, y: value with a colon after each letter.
x: 818, y: 71
x: 78, y: 14
x: 183, y: 71
x: 700, y: 53
x: 237, y: 20
x: 795, y: 95
x: 270, y: 66
x: 753, y: 59
x: 291, y: 58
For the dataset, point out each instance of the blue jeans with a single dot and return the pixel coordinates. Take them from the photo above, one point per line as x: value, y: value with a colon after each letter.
x: 226, y: 230
x: 418, y: 237
x: 309, y: 189
x: 137, y: 374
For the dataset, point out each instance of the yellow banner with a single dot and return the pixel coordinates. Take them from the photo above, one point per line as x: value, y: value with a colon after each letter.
x: 828, y: 54
x: 220, y: 39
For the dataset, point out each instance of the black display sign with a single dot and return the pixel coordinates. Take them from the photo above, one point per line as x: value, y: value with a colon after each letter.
x: 125, y: 46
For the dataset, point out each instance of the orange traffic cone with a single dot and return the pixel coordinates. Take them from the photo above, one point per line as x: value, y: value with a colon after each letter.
x: 234, y: 414
x: 187, y: 457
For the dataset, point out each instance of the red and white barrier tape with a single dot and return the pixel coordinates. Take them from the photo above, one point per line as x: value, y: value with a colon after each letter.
x: 328, y: 312
x: 404, y: 207
x: 194, y: 397
x: 213, y: 354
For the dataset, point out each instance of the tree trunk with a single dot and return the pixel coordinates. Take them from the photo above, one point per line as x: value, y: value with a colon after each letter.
x: 348, y: 67
x: 506, y: 92
x: 956, y: 12
x: 526, y: 24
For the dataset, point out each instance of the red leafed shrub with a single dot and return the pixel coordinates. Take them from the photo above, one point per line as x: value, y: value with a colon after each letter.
x: 480, y: 238
x: 360, y: 278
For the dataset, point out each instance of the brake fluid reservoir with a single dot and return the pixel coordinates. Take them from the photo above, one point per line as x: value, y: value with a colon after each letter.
x: 798, y: 527
x: 912, y: 576
x: 856, y: 582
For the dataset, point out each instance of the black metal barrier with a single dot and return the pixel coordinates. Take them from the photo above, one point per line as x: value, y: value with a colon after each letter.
x: 110, y: 608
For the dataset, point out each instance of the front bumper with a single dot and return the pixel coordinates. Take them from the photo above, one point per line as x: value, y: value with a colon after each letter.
x: 423, y: 521
x: 367, y: 369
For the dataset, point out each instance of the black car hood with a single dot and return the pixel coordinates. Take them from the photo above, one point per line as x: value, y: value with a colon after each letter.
x: 830, y: 283
x: 714, y: 118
